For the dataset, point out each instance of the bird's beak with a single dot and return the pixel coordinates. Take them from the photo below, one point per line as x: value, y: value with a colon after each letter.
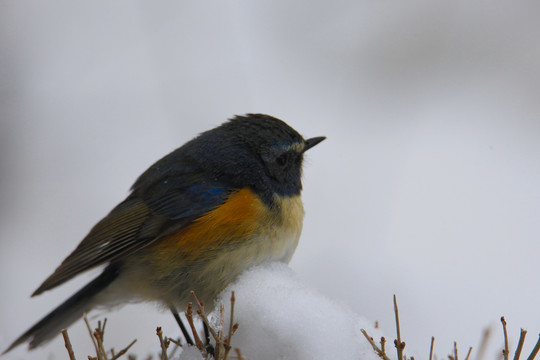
x: 312, y: 142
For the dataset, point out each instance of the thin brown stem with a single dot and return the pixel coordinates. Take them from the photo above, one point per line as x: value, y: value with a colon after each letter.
x: 202, y: 314
x: 99, y: 334
x: 221, y: 330
x: 535, y: 350
x: 69, y: 348
x: 189, y: 317
x: 232, y: 328
x: 175, y: 342
x: 163, y: 344
x: 468, y: 353
x: 123, y: 351
x: 99, y: 339
x: 231, y: 322
x: 98, y: 352
x: 398, y: 343
x: 505, y: 351
x: 379, y: 352
x: 521, y: 341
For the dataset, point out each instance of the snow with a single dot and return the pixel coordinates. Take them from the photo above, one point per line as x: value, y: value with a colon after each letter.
x: 281, y: 317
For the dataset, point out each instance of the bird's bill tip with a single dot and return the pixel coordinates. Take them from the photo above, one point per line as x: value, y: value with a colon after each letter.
x: 313, y: 141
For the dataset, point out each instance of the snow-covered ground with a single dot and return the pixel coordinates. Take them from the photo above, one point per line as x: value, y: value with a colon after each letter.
x: 280, y: 317
x: 427, y: 186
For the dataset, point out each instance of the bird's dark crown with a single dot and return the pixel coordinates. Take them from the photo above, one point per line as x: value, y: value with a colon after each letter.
x: 256, y: 151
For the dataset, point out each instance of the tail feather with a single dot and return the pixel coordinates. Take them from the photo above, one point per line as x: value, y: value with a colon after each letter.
x: 67, y: 313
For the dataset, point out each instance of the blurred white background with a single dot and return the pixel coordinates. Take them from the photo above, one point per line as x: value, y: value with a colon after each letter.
x: 428, y: 185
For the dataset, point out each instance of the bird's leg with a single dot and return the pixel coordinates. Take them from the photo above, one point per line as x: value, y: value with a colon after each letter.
x: 209, y: 347
x: 206, y: 333
x: 182, y: 326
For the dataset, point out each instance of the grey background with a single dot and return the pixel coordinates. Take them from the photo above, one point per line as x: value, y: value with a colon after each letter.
x: 427, y: 186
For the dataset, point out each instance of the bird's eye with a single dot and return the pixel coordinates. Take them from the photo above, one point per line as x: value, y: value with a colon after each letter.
x: 282, y: 159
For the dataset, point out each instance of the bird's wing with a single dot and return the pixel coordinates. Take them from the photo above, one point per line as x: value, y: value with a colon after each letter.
x: 150, y: 212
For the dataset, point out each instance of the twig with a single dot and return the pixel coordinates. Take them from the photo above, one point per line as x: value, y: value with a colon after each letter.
x: 189, y: 317
x: 238, y: 354
x: 535, y: 350
x: 379, y: 352
x: 163, y: 344
x: 101, y: 329
x: 177, y: 345
x: 232, y: 327
x: 221, y: 330
x: 168, y: 341
x: 68, y: 344
x: 206, y: 335
x: 231, y: 323
x: 175, y: 342
x: 98, y: 352
x: 468, y: 353
x: 505, y: 351
x: 383, y: 343
x: 398, y: 343
x: 431, y: 348
x: 202, y: 314
x: 522, y: 335
x: 123, y: 351
x: 98, y: 335
x: 455, y: 351
x: 99, y: 338
x: 220, y: 349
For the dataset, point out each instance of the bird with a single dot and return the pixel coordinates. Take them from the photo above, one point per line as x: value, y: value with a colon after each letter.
x: 225, y: 201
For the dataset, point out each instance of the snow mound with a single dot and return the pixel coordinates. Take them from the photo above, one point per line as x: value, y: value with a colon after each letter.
x: 280, y: 317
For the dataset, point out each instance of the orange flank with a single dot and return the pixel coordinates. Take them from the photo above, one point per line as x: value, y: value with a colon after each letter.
x: 236, y: 219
